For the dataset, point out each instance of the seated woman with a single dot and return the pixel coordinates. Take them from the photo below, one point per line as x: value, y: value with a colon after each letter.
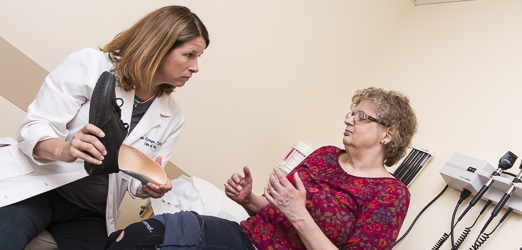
x: 334, y: 199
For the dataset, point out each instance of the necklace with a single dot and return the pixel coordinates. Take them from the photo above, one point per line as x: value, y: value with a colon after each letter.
x: 136, y: 102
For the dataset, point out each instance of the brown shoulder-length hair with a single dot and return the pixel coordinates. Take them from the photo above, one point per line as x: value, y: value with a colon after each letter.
x: 392, y: 108
x: 137, y: 52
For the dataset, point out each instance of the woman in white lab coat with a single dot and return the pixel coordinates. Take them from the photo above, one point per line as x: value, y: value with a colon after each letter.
x: 150, y: 59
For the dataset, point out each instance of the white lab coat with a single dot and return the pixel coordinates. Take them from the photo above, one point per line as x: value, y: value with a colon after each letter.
x: 61, y: 108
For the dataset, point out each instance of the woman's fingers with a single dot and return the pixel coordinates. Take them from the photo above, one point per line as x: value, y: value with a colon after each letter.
x: 270, y: 188
x: 154, y: 190
x: 280, y: 186
x: 75, y: 153
x: 159, y: 160
x: 299, y: 183
x: 268, y: 196
x: 239, y: 187
x: 248, y: 175
x: 274, y: 183
x: 88, y: 137
x: 286, y: 198
x: 235, y: 181
x: 91, y: 129
x: 281, y: 177
x: 167, y: 186
x: 150, y: 191
x: 230, y: 191
x: 86, y: 145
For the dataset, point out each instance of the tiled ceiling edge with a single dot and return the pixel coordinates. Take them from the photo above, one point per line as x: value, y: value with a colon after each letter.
x: 21, y: 77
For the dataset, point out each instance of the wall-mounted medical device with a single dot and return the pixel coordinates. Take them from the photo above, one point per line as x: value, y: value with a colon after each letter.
x: 465, y: 172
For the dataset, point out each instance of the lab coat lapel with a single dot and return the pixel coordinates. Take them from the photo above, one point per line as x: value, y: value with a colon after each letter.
x: 150, y: 119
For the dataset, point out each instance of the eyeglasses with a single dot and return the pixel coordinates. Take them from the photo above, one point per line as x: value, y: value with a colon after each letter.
x: 361, y: 116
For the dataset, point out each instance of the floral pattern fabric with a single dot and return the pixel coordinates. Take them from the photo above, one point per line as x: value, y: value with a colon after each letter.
x: 353, y: 212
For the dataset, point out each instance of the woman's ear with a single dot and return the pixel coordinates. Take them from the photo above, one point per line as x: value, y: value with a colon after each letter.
x: 388, y: 135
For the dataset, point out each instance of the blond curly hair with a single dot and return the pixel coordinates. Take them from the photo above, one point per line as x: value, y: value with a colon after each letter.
x: 392, y: 108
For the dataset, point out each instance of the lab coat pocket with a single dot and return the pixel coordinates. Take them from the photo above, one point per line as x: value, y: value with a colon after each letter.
x: 12, y: 161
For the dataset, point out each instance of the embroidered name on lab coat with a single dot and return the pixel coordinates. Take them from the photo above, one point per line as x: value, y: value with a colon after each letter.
x: 150, y: 143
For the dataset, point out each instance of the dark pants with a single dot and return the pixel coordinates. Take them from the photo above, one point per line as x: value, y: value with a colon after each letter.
x: 223, y: 234
x: 183, y: 231
x: 70, y: 226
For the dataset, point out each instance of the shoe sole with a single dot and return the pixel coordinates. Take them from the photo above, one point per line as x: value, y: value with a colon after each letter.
x: 106, y: 85
x: 101, y: 112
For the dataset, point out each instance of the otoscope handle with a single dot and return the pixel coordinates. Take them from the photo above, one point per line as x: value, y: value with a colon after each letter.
x: 480, y: 193
x: 505, y: 162
x: 501, y: 204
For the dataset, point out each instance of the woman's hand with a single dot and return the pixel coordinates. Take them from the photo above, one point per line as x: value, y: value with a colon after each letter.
x: 83, y: 145
x: 289, y: 200
x: 153, y: 190
x: 239, y: 188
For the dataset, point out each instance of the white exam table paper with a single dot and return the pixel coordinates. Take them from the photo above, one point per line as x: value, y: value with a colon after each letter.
x: 198, y: 195
x: 21, y: 178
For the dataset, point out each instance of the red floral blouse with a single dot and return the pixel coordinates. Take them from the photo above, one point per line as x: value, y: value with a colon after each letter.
x: 353, y: 212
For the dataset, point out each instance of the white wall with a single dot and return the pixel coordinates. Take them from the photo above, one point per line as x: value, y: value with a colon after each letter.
x: 277, y: 72
x: 461, y: 65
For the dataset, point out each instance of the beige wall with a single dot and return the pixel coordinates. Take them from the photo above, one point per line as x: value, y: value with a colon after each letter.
x: 461, y: 64
x: 275, y: 72
x: 278, y: 72
x: 15, y: 114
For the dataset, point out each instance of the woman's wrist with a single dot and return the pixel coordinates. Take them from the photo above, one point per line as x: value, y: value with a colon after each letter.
x: 140, y: 192
x: 50, y: 149
x: 300, y: 218
x: 255, y: 203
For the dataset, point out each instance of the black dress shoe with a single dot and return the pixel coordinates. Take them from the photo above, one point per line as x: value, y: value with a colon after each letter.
x: 105, y: 114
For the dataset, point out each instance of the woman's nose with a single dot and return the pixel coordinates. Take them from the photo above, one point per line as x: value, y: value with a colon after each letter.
x: 349, y: 120
x: 194, y: 67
